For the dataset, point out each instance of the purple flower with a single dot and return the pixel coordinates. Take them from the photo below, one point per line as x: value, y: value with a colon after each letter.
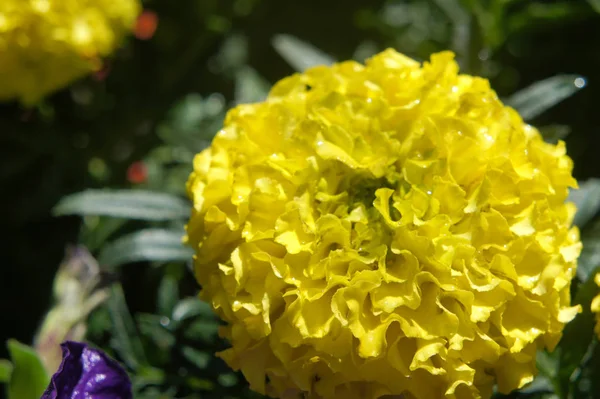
x: 87, y: 373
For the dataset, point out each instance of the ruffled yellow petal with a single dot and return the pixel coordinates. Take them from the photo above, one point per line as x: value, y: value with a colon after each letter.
x: 384, y: 229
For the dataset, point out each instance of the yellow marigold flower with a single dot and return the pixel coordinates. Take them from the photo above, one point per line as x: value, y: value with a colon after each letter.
x: 46, y: 44
x: 386, y: 229
x: 596, y: 306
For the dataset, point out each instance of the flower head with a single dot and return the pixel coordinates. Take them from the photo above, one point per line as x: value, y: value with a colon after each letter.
x: 46, y: 44
x: 88, y: 373
x: 386, y: 229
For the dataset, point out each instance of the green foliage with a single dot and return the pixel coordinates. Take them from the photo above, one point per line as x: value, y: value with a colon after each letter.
x: 590, y: 255
x: 153, y: 245
x: 541, y: 96
x: 6, y: 369
x: 250, y: 86
x: 130, y: 204
x: 28, y: 378
x: 595, y: 5
x: 125, y: 338
x: 587, y: 200
x: 300, y: 55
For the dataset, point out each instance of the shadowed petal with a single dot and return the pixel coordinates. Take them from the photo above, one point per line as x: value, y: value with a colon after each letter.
x: 87, y: 373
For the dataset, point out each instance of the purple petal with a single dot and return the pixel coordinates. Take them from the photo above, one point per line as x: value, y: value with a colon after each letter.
x: 87, y: 373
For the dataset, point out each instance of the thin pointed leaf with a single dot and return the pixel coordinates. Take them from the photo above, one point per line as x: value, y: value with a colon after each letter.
x: 543, y: 95
x: 125, y: 335
x: 554, y: 133
x: 93, y: 237
x: 203, y: 330
x: 587, y: 200
x: 250, y: 87
x: 227, y: 379
x: 153, y: 326
x: 168, y: 295
x: 590, y: 254
x: 547, y: 364
x: 544, y: 14
x: 453, y: 10
x: 299, y: 54
x: 6, y: 368
x: 146, y: 381
x: 460, y: 21
x: 155, y: 245
x: 197, y: 358
x: 540, y: 385
x: 144, y: 386
x: 192, y: 307
x: 188, y: 113
x: 580, y: 383
x: 591, y: 373
x: 128, y: 204
x: 578, y: 334
x: 29, y: 378
x: 595, y: 5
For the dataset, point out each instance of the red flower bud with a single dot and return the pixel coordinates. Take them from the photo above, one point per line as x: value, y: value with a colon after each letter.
x: 137, y: 172
x: 146, y: 25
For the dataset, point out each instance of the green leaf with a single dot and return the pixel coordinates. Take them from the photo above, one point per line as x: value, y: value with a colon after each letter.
x: 590, y: 254
x: 203, y: 323
x: 153, y: 326
x: 98, y: 324
x: 156, y: 245
x: 460, y: 19
x: 128, y: 204
x: 577, y: 335
x: 365, y: 50
x: 29, y: 378
x: 6, y: 369
x: 196, y: 357
x: 203, y: 330
x: 547, y: 364
x: 233, y: 53
x: 554, y: 133
x: 299, y: 54
x: 587, y: 200
x: 146, y: 377
x: 228, y: 379
x: 188, y: 113
x: 587, y: 385
x: 250, y: 87
x: 540, y: 385
x: 595, y: 5
x: 540, y: 14
x: 191, y: 307
x: 168, y: 295
x: 581, y: 380
x: 125, y: 339
x: 96, y: 232
x: 543, y: 95
x: 200, y: 384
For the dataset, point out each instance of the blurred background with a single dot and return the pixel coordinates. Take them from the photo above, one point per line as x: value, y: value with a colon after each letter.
x: 158, y: 101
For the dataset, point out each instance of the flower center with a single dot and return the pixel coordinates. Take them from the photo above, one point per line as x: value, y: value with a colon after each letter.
x: 362, y: 190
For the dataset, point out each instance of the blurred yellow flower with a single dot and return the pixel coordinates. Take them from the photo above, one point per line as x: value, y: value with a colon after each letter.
x: 387, y: 229
x: 46, y: 44
x: 596, y: 306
